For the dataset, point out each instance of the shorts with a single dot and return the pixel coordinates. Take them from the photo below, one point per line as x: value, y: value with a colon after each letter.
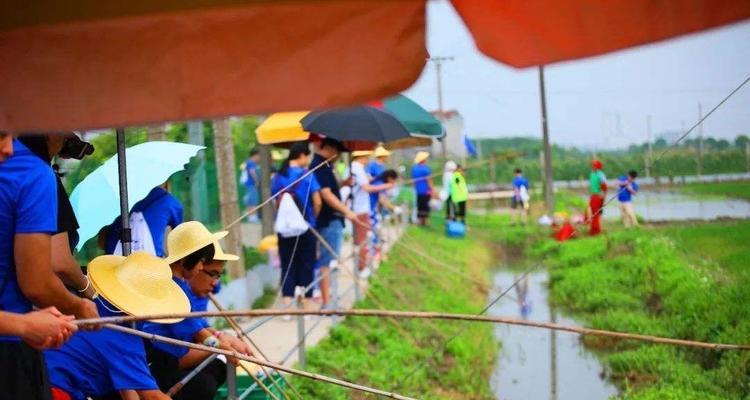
x: 333, y: 234
x: 423, y: 205
x: 23, y: 374
x: 516, y: 202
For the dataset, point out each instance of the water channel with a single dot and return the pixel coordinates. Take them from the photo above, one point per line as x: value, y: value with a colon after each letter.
x: 537, y: 363
x: 656, y: 206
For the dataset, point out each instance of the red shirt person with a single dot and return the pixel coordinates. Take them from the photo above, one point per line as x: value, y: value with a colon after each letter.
x: 598, y: 191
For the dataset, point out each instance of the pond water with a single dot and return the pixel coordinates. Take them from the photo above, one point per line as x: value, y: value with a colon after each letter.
x: 536, y: 363
x: 670, y: 206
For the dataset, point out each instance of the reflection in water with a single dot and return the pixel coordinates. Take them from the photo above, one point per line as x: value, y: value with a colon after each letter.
x: 670, y: 206
x: 541, y: 364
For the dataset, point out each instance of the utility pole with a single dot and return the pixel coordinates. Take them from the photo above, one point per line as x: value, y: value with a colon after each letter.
x: 650, y: 159
x: 441, y: 116
x: 700, y: 140
x: 549, y: 197
x: 227, y: 179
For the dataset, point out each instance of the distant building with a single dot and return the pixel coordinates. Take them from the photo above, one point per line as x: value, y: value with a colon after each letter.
x: 453, y: 123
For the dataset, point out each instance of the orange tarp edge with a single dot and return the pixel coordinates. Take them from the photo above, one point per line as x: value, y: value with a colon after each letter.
x: 524, y: 33
x: 191, y: 64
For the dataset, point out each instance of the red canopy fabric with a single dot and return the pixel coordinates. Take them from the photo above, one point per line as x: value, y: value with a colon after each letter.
x: 524, y: 33
x: 99, y: 64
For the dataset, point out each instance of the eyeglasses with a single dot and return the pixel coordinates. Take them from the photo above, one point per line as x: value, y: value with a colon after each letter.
x: 212, y: 274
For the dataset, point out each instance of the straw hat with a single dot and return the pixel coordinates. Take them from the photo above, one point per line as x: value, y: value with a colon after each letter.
x: 189, y: 237
x: 361, y: 153
x: 421, y: 156
x: 267, y: 243
x: 380, y: 151
x: 220, y: 255
x: 139, y: 284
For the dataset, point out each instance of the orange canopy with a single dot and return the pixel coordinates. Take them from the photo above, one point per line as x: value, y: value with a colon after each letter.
x: 89, y: 63
x: 79, y: 64
x: 533, y: 32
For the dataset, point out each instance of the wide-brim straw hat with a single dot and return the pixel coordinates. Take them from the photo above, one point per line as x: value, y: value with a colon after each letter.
x: 361, y: 153
x: 421, y: 156
x: 381, y: 151
x: 140, y: 284
x: 189, y: 237
x: 220, y: 255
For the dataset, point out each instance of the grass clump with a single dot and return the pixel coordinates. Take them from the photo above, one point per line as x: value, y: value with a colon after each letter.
x: 382, y: 352
x: 736, y: 189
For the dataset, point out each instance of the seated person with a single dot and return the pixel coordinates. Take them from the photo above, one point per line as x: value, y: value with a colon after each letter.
x: 191, y: 248
x: 108, y: 364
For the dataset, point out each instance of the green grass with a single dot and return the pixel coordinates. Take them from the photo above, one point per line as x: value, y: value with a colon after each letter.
x: 738, y: 189
x: 266, y: 299
x: 253, y: 258
x: 380, y: 352
x: 684, y: 281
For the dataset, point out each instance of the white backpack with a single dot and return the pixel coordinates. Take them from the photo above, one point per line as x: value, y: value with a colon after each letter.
x: 141, y: 235
x: 289, y: 219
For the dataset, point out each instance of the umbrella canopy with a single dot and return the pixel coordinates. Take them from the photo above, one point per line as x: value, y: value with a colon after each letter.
x: 96, y: 200
x: 85, y: 64
x: 417, y: 120
x: 361, y: 123
x: 282, y: 127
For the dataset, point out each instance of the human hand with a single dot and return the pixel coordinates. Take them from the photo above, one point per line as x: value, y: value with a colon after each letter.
x: 46, y: 328
x: 87, y: 310
x: 350, y: 215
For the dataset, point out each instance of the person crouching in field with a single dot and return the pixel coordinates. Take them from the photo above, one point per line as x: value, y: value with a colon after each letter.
x: 628, y: 187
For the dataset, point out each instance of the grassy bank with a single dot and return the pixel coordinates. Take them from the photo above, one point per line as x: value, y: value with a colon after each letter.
x: 382, y: 352
x: 739, y: 189
x: 684, y: 281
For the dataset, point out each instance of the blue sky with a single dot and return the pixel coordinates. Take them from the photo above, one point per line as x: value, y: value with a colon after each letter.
x: 599, y: 102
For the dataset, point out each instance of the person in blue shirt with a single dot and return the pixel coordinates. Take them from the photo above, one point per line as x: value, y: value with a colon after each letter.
x: 298, y: 253
x: 28, y: 218
x: 377, y: 166
x: 251, y: 180
x: 421, y: 175
x: 520, y: 200
x: 378, y: 201
x: 627, y: 188
x: 160, y: 209
x: 191, y: 248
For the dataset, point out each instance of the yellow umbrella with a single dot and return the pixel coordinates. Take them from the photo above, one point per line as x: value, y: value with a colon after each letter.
x: 282, y: 127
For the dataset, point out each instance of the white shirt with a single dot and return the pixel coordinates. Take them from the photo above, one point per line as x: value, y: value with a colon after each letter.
x: 360, y: 198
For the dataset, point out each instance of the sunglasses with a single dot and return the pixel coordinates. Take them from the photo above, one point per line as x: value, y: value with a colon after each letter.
x: 212, y: 274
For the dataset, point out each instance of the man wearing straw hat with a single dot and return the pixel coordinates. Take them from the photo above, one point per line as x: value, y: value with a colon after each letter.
x: 377, y: 166
x: 420, y: 174
x: 191, y: 248
x: 108, y: 363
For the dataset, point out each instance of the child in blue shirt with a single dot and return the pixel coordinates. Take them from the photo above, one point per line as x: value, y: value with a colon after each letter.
x: 627, y: 187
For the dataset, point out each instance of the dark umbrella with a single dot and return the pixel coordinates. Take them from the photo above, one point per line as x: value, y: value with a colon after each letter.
x: 360, y: 123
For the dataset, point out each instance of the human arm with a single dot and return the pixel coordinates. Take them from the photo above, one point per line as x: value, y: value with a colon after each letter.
x: 385, y: 202
x: 149, y: 395
x: 317, y: 203
x: 334, y: 202
x: 39, y: 329
x: 39, y: 283
x: 66, y: 267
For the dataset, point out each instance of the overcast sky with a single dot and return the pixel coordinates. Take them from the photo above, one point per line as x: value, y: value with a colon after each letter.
x: 599, y: 102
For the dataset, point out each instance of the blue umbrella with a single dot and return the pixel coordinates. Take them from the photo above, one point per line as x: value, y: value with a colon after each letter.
x: 96, y: 200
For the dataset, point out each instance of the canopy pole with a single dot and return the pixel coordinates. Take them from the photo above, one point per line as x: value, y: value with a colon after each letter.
x: 122, y: 169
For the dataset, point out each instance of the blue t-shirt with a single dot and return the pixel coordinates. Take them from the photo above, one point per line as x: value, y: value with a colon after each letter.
x: 160, y: 209
x: 303, y: 190
x: 28, y: 204
x: 623, y: 194
x: 375, y: 197
x: 326, y: 179
x: 420, y: 173
x: 101, y: 362
x: 520, y: 181
x: 374, y: 169
x: 184, y: 330
x: 250, y: 165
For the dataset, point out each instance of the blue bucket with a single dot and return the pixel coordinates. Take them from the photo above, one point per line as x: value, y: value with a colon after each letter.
x: 455, y: 229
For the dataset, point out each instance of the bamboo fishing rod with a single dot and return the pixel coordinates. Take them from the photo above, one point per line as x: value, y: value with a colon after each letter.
x: 421, y: 315
x: 234, y: 354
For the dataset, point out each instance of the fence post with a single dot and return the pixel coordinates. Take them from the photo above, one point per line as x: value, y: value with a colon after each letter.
x: 333, y: 278
x: 231, y: 382
x: 355, y: 269
x: 301, y: 331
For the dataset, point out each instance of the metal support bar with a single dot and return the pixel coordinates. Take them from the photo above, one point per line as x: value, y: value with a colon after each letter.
x: 334, y: 284
x: 122, y: 169
x: 301, y: 331
x: 231, y: 382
